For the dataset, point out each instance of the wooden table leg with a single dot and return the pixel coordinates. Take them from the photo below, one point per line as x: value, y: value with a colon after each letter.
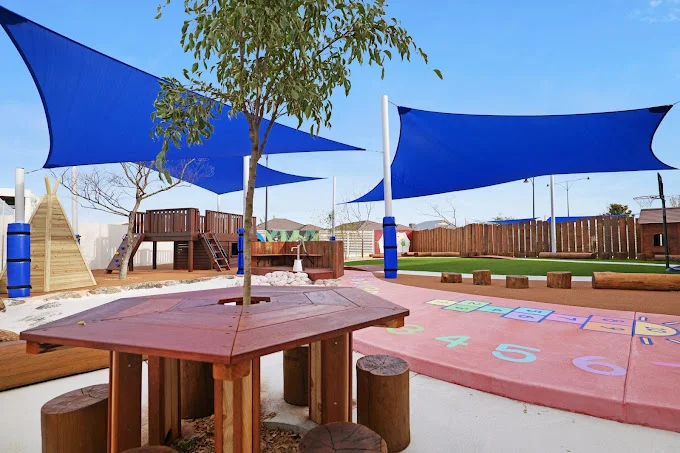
x: 237, y: 407
x: 164, y: 401
x: 125, y: 401
x: 330, y: 382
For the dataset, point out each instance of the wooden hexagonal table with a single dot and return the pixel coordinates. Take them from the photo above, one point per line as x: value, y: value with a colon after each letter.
x: 213, y: 326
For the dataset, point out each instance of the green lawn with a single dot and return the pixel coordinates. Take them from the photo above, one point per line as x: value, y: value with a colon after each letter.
x: 511, y: 267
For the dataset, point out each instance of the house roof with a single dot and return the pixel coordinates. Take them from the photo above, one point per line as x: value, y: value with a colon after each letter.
x: 366, y: 225
x: 431, y: 225
x: 310, y: 227
x: 280, y: 224
x: 656, y: 215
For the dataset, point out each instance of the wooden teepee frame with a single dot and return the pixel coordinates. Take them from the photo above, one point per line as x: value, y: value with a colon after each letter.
x: 57, y: 262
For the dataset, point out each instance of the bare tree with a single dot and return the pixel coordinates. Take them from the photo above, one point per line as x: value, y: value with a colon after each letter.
x: 445, y: 212
x: 673, y: 201
x: 353, y: 218
x: 122, y: 192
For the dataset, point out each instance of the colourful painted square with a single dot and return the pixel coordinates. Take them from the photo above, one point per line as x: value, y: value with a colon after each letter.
x: 524, y: 317
x: 649, y: 329
x: 462, y: 307
x: 494, y: 309
x: 609, y: 328
x: 441, y: 302
x: 473, y: 303
x: 611, y: 320
x: 567, y: 318
x: 533, y: 311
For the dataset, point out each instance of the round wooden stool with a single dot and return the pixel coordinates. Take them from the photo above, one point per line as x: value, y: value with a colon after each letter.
x: 151, y: 449
x: 76, y: 421
x: 296, y: 376
x: 383, y: 399
x: 344, y: 437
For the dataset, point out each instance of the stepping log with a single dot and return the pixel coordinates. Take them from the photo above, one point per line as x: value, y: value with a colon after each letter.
x: 559, y: 280
x: 296, y: 376
x: 481, y: 277
x: 342, y: 437
x: 197, y: 389
x: 451, y: 277
x: 647, y: 282
x: 383, y: 399
x: 76, y: 422
x: 517, y: 281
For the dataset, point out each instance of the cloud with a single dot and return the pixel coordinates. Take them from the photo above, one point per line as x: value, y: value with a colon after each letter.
x: 655, y: 3
x: 658, y: 11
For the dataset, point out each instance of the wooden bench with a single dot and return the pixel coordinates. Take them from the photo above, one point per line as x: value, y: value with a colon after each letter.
x: 291, y: 257
x: 344, y: 437
x: 76, y: 422
x: 383, y: 399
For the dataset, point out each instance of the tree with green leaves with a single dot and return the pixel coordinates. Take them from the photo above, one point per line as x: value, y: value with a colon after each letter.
x: 618, y: 209
x: 266, y: 59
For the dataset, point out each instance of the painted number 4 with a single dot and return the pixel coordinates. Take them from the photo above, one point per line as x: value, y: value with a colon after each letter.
x: 526, y: 357
x: 454, y: 341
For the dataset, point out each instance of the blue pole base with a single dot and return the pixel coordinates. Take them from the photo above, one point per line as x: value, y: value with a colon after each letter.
x: 241, y: 258
x: 390, y: 247
x: 18, y: 260
x: 332, y: 238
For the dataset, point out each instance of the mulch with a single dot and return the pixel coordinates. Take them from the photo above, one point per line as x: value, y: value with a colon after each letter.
x: 581, y: 294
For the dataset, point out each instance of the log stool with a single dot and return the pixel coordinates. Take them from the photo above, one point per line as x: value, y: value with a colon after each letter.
x: 559, y: 280
x: 296, y: 376
x: 197, y: 389
x: 345, y: 437
x: 481, y: 277
x: 517, y: 281
x: 383, y: 399
x: 451, y: 277
x: 151, y: 449
x: 76, y: 422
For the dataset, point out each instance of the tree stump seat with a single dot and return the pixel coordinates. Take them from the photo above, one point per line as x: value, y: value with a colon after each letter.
x: 559, y: 280
x: 342, y: 437
x: 76, y: 422
x: 151, y: 449
x: 383, y: 399
x: 516, y: 281
x: 482, y: 277
x: 451, y: 277
x: 296, y: 376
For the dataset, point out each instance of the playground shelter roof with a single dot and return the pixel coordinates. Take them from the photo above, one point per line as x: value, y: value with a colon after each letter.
x: 99, y: 109
x: 446, y: 152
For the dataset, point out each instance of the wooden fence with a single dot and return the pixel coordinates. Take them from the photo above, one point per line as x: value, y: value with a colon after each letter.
x: 605, y: 236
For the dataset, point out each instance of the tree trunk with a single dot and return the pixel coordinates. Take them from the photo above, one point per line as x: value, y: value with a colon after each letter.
x: 129, y: 240
x: 248, y: 225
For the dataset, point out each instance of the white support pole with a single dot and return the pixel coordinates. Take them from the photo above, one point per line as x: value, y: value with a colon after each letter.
x: 553, y: 220
x: 387, y: 171
x: 19, y: 201
x: 246, y: 172
x: 333, y: 210
x: 218, y: 204
x: 74, y: 200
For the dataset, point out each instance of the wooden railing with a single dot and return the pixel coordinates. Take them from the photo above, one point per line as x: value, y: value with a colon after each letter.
x: 187, y: 220
x: 606, y: 236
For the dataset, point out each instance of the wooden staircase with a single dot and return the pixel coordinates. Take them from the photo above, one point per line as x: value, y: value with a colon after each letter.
x: 217, y: 254
x: 117, y: 259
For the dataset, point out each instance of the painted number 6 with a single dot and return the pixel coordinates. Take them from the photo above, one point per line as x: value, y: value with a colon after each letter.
x: 527, y: 357
x: 586, y: 364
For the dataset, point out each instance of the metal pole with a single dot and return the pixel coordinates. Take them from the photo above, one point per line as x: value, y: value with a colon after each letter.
x: 665, y: 225
x: 333, y: 212
x: 387, y: 171
x: 74, y: 200
x: 19, y: 202
x: 533, y: 197
x: 266, y: 196
x: 219, y: 208
x: 553, y: 220
x: 567, y: 186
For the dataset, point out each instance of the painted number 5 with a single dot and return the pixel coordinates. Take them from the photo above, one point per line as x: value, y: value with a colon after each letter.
x: 504, y: 348
x: 586, y: 364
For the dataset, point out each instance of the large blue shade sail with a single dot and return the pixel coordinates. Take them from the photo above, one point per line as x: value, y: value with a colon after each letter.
x: 225, y: 175
x: 99, y: 109
x: 443, y: 152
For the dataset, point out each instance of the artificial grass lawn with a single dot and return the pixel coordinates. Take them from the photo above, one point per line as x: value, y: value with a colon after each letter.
x: 511, y: 267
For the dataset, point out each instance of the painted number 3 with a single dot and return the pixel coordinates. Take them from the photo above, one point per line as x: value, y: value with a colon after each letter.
x: 526, y: 357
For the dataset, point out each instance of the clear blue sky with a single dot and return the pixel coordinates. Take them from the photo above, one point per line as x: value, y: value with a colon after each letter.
x: 498, y: 57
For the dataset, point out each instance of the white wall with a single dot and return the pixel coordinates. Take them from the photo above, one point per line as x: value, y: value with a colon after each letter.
x: 100, y: 241
x: 352, y: 242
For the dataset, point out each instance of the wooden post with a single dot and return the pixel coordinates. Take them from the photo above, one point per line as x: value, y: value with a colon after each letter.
x: 482, y: 277
x: 296, y: 376
x: 197, y: 389
x: 75, y: 422
x: 154, y: 255
x: 237, y: 407
x: 559, y: 280
x: 164, y: 401
x: 330, y: 382
x: 646, y: 282
x: 191, y: 255
x: 516, y: 281
x: 125, y: 401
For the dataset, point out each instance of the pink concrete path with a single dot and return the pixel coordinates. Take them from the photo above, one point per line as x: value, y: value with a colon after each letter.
x: 623, y: 366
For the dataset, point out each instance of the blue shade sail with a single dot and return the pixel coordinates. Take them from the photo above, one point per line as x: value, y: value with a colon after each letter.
x: 225, y: 175
x: 444, y: 152
x: 99, y: 109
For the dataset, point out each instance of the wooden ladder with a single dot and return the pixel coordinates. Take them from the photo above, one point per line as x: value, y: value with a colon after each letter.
x: 219, y: 257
